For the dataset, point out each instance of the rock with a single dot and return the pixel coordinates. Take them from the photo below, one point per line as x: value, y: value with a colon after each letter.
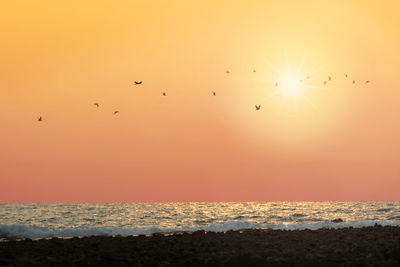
x: 367, y: 246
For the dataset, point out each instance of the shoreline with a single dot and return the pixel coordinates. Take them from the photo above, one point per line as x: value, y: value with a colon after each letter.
x: 20, y: 231
x: 374, y: 246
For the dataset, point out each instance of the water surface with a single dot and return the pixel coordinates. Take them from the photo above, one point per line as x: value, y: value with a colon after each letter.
x: 67, y: 220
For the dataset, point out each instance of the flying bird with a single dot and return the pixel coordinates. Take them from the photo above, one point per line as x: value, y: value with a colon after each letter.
x: 308, y: 77
x: 366, y: 81
x: 228, y: 72
x: 137, y: 83
x: 276, y: 84
x: 40, y: 118
x: 164, y: 94
x: 258, y: 107
x: 354, y: 81
x: 254, y: 71
x: 324, y: 82
x: 329, y: 78
x: 345, y: 75
x: 116, y: 112
x: 213, y: 93
x: 96, y: 104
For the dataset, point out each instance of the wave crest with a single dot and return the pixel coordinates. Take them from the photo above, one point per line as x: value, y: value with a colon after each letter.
x: 26, y: 231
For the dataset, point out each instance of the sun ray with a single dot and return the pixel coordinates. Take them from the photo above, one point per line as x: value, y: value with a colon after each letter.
x: 310, y: 102
x: 271, y: 95
x: 300, y: 66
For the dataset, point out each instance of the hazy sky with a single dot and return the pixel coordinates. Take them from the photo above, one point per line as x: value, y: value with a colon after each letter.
x: 340, y: 141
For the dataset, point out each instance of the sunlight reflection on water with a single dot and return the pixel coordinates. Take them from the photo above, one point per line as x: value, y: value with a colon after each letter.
x: 170, y: 215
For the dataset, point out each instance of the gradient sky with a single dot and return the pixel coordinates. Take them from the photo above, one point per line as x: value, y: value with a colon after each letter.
x: 341, y: 142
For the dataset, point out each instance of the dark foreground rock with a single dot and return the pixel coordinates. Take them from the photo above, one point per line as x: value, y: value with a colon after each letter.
x: 369, y: 246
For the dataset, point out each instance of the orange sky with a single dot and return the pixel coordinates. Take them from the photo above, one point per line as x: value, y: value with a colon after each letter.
x: 57, y: 59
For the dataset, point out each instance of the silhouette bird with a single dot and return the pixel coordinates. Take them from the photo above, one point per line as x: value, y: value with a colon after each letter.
x: 228, y: 72
x: 366, y: 81
x: 324, y: 82
x: 354, y: 81
x: 329, y: 78
x: 40, y: 118
x: 137, y: 83
x: 116, y: 112
x: 164, y: 94
x: 96, y: 104
x: 213, y: 93
x: 258, y: 107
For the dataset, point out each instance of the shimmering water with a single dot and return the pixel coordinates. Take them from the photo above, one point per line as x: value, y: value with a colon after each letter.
x: 67, y: 220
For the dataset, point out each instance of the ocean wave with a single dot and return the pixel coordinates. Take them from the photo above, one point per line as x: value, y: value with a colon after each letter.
x: 298, y: 215
x: 384, y: 210
x: 36, y: 232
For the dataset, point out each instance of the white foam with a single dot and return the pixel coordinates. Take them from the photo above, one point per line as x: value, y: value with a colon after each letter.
x: 25, y: 231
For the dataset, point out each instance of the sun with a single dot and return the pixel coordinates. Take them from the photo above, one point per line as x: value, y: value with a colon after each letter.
x: 290, y: 84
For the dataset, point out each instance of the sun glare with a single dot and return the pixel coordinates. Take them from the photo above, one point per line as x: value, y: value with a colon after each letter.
x: 290, y: 84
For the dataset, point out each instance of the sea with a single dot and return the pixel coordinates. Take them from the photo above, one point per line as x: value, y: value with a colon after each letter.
x: 90, y: 219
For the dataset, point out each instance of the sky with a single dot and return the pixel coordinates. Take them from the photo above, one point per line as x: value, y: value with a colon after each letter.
x: 311, y: 142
